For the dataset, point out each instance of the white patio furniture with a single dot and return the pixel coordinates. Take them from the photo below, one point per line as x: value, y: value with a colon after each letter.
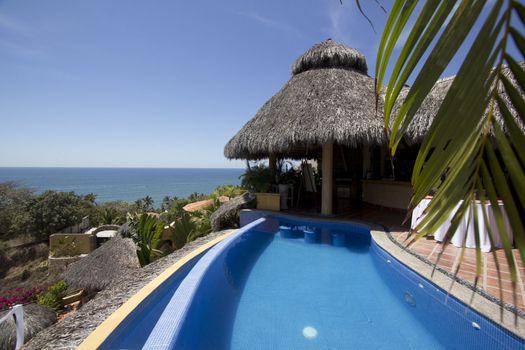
x: 465, y: 233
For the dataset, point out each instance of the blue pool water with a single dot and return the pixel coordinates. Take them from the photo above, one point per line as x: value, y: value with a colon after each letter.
x: 334, y: 292
x: 267, y: 287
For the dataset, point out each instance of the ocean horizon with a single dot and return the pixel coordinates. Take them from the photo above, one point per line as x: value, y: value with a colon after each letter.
x: 126, y: 184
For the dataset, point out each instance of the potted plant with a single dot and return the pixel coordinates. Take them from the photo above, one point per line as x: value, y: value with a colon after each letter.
x: 257, y: 179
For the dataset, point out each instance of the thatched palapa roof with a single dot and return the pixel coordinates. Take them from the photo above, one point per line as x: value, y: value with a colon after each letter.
x: 36, y: 318
x: 104, y: 265
x: 430, y: 106
x: 329, y: 98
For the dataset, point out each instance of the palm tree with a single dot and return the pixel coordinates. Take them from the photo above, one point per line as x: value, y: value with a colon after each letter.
x: 144, y: 204
x: 148, y: 203
x: 476, y: 137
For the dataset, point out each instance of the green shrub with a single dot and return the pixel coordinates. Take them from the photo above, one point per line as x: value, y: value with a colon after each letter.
x: 229, y: 191
x: 13, y: 203
x: 25, y: 275
x: 257, y: 179
x: 54, y: 211
x: 146, y: 232
x: 110, y: 213
x: 52, y: 296
x: 202, y: 224
x: 182, y: 229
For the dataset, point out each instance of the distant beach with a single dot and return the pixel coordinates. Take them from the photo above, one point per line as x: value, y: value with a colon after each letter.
x: 127, y: 184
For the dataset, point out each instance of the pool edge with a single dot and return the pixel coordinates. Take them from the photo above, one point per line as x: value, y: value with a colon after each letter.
x: 467, y: 296
x: 96, y: 338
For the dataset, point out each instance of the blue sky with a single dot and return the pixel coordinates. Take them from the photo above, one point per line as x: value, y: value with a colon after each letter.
x: 153, y: 83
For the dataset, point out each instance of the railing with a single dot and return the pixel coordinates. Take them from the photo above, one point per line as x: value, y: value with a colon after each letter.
x: 18, y: 314
x: 77, y: 228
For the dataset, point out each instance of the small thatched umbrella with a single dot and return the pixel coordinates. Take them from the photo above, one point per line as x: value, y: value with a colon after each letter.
x: 36, y: 318
x: 104, y: 265
x: 329, y: 99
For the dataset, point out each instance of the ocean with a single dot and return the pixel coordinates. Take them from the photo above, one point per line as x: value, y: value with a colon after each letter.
x: 127, y: 184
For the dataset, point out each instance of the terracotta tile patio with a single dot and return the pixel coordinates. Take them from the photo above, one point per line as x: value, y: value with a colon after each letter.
x: 430, y: 249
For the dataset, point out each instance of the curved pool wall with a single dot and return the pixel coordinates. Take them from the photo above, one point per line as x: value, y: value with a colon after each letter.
x: 456, y: 325
x: 136, y: 327
x: 205, y: 309
x: 198, y: 314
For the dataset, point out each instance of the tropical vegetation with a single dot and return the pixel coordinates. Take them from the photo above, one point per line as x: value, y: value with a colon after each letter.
x: 52, y: 296
x: 147, y: 230
x: 257, y: 178
x: 18, y: 296
x: 146, y: 233
x: 22, y: 212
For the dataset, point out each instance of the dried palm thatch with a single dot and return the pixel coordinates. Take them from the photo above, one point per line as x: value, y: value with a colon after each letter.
x: 426, y: 113
x: 104, y: 265
x: 329, y: 98
x: 330, y: 54
x: 36, y: 318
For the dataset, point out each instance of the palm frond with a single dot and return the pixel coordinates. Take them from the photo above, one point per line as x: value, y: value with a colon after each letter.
x: 475, y: 147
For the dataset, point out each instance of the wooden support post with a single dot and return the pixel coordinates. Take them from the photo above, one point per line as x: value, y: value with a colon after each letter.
x: 327, y: 186
x: 366, y: 160
x: 383, y: 153
x: 272, y: 166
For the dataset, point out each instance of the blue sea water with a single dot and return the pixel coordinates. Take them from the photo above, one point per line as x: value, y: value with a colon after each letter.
x: 127, y: 184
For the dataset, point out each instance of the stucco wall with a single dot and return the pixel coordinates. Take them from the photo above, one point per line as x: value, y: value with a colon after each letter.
x: 390, y: 194
x: 71, y: 244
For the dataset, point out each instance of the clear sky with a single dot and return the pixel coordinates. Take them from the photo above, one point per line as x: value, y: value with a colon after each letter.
x: 158, y: 83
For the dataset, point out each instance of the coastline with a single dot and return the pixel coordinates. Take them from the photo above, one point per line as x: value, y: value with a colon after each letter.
x: 122, y: 184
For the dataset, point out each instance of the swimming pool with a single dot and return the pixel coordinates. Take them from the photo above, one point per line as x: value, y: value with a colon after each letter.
x: 290, y: 283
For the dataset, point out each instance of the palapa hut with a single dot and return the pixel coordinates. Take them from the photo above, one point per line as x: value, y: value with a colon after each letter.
x: 327, y: 111
x: 330, y: 98
x: 104, y: 265
x: 328, y: 101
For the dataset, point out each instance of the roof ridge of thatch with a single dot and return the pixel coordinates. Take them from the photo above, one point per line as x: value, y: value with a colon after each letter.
x: 428, y: 109
x: 330, y: 54
x: 504, y: 67
x: 445, y: 79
